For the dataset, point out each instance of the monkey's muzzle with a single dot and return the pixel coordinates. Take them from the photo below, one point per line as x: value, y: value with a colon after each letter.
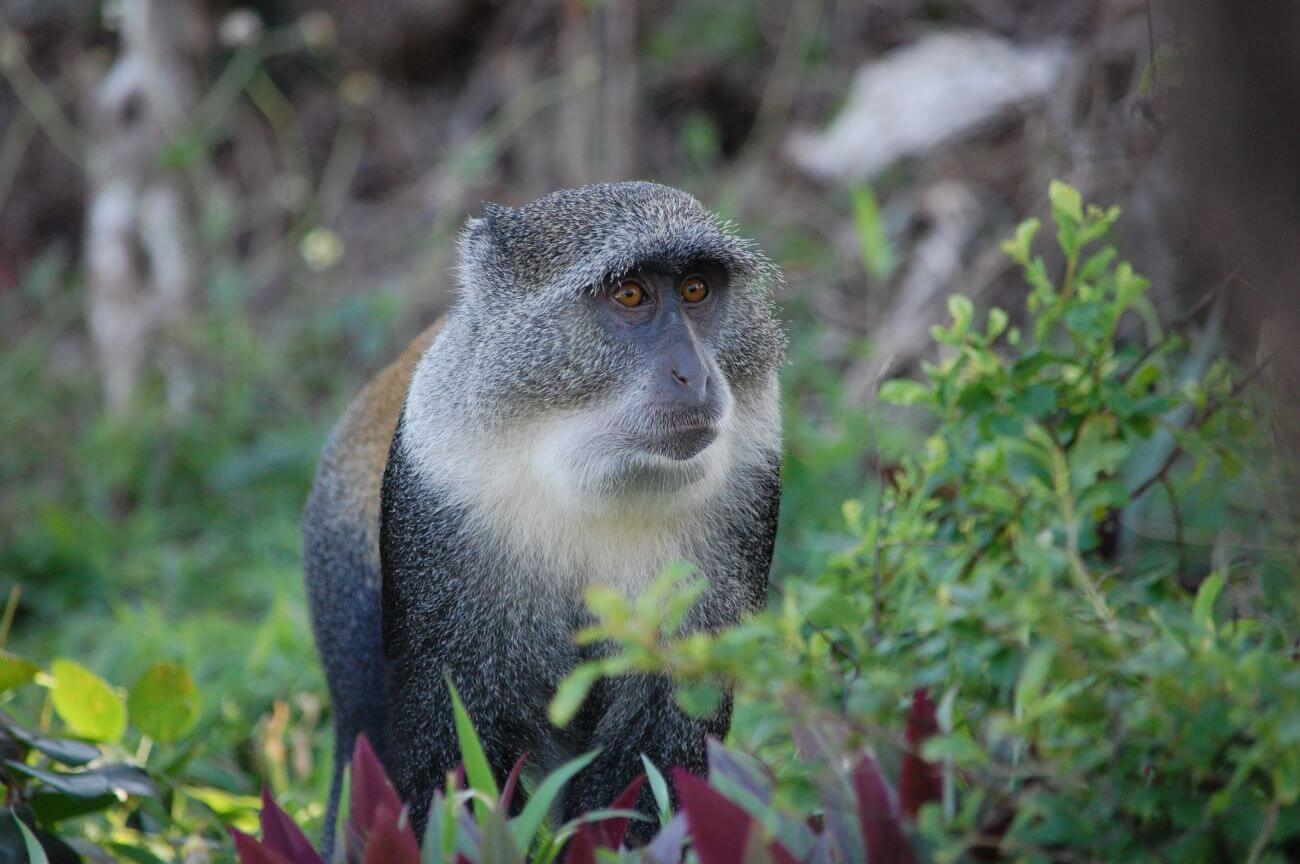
x: 681, y: 442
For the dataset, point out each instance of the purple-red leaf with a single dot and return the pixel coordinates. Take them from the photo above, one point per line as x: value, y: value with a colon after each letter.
x: 390, y: 843
x: 878, y: 816
x: 250, y: 851
x: 581, y: 848
x: 609, y: 833
x: 744, y: 772
x: 371, y: 790
x: 513, y: 780
x: 667, y: 845
x: 720, y: 828
x: 282, y: 834
x: 919, y: 782
x: 823, y: 745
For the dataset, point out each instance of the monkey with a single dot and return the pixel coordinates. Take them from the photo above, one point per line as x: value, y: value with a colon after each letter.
x: 600, y: 401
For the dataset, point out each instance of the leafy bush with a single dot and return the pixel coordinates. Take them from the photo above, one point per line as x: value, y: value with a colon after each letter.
x: 85, y: 790
x: 1102, y: 696
x: 728, y: 819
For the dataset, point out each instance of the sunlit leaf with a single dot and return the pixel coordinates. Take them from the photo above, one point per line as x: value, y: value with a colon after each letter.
x: 89, y: 706
x: 164, y: 703
x: 15, y: 671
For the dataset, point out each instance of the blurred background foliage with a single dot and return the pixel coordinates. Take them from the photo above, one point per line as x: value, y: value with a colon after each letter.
x: 218, y: 218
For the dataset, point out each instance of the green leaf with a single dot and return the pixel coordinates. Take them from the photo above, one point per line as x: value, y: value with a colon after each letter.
x: 164, y: 703
x: 699, y: 699
x: 1106, y: 494
x: 997, y: 323
x: 119, y: 780
x: 962, y: 311
x: 659, y: 788
x: 1128, y: 286
x: 1017, y: 248
x: 572, y: 691
x: 498, y: 844
x: 900, y: 391
x: 15, y: 671
x: 477, y: 769
x: 994, y: 497
x: 1206, y: 596
x: 228, y: 805
x: 1032, y: 677
x: 35, y: 854
x: 1036, y: 401
x: 873, y: 243
x: 961, y: 749
x: 1065, y: 200
x: 51, y: 807
x: 83, y: 700
x: 525, y: 825
x: 62, y: 750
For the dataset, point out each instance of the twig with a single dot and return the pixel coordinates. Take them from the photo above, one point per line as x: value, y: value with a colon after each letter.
x: 16, y: 138
x: 1179, y: 324
x: 37, y: 98
x: 1151, y: 45
x: 1265, y: 834
x: 1198, y: 420
x: 1178, y: 526
x: 11, y: 609
x: 837, y: 647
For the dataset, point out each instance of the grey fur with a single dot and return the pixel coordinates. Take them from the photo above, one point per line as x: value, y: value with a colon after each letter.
x: 466, y: 590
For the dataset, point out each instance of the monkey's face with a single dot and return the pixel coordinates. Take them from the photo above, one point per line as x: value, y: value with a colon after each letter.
x: 678, y: 368
x: 624, y: 340
x: 676, y: 398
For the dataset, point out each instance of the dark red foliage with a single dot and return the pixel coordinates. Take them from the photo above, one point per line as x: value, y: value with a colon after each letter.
x: 389, y: 842
x: 609, y: 833
x: 508, y: 793
x: 582, y: 847
x: 282, y: 834
x: 881, y: 827
x: 371, y: 791
x: 720, y: 828
x: 252, y: 852
x: 919, y: 782
x: 375, y: 823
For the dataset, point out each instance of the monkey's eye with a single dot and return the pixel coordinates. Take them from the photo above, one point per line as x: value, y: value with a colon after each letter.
x: 694, y: 289
x: 630, y: 293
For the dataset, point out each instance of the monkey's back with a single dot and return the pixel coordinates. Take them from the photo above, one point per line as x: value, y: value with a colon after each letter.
x: 340, y: 533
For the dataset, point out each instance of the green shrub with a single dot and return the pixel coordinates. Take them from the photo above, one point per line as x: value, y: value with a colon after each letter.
x: 1102, y: 695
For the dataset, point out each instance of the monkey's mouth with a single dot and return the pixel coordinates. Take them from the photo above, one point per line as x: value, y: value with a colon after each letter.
x: 680, y: 441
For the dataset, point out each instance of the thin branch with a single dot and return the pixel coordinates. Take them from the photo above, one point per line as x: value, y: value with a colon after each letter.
x: 37, y: 98
x: 837, y: 647
x: 1199, y: 419
x: 1265, y: 834
x: 12, y: 147
x: 1180, y: 323
x: 11, y: 609
x: 1178, y: 526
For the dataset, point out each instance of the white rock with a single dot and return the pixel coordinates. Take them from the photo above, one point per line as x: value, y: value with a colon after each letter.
x: 937, y: 90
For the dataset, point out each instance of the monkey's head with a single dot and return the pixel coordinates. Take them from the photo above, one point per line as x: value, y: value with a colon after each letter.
x: 631, y: 325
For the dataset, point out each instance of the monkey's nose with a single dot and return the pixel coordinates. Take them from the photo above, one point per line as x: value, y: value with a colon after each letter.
x: 697, y: 383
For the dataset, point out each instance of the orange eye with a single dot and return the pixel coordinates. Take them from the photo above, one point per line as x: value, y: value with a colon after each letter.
x: 694, y: 289
x: 630, y: 293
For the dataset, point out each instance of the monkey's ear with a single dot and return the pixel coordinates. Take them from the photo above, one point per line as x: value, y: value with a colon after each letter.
x: 477, y: 248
